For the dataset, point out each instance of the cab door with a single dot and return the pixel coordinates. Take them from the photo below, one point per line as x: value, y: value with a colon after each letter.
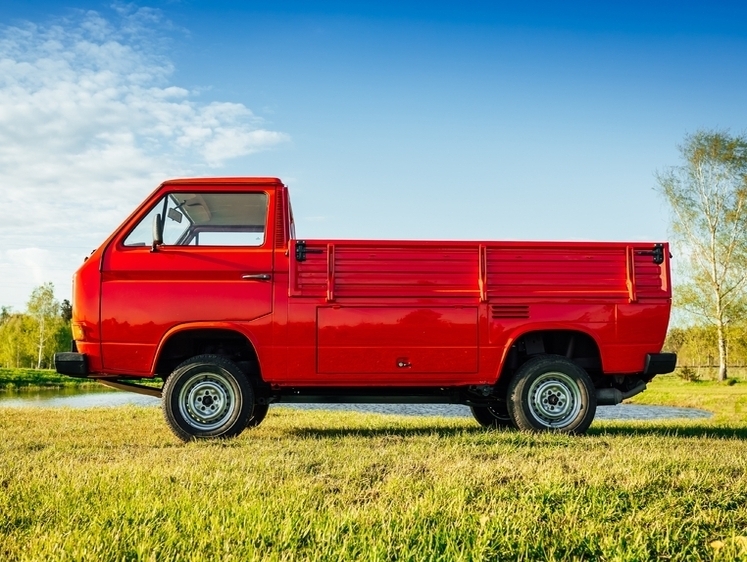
x: 215, y: 265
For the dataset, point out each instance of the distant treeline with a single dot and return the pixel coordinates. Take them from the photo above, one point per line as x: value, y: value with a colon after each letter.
x: 31, y: 338
x: 697, y: 346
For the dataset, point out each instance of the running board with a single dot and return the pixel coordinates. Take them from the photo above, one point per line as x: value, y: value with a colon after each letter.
x: 132, y: 387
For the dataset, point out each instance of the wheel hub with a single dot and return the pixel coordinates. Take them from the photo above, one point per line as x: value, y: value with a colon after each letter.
x: 207, y: 400
x: 554, y: 399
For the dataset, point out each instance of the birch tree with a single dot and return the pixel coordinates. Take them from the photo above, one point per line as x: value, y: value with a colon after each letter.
x: 44, y: 309
x: 707, y: 195
x: 16, y: 340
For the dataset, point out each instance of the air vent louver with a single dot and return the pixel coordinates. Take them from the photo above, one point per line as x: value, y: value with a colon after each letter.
x: 510, y: 311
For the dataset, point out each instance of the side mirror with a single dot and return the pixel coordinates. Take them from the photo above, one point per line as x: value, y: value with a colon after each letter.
x: 157, y: 232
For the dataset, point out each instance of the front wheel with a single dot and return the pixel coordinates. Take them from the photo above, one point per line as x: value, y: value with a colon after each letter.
x: 207, y: 397
x: 551, y: 393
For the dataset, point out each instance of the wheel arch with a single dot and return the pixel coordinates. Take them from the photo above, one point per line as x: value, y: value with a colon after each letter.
x: 577, y: 343
x: 188, y: 340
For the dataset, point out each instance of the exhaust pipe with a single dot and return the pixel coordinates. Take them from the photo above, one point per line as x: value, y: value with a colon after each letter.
x: 613, y: 396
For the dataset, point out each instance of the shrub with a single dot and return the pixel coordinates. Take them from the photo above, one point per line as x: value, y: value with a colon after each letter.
x: 689, y: 374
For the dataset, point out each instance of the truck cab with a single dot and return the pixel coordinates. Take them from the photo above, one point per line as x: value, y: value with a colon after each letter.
x: 207, y: 287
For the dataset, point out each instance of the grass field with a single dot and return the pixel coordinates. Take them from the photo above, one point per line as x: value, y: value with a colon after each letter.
x: 114, y: 484
x: 728, y: 401
x: 23, y: 380
x: 35, y: 379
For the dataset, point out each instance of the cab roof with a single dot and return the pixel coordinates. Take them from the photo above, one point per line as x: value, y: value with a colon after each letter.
x: 224, y: 181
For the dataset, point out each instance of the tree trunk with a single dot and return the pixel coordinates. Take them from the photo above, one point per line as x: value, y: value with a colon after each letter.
x: 722, y: 371
x: 41, y: 344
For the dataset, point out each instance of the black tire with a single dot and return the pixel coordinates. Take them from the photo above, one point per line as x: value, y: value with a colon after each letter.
x: 207, y: 397
x: 492, y: 416
x: 260, y: 411
x: 551, y: 393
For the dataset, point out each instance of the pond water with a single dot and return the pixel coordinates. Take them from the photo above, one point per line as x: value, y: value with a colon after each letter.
x: 96, y: 398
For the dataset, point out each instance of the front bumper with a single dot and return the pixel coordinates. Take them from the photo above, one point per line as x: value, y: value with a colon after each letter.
x: 660, y: 363
x: 71, y: 364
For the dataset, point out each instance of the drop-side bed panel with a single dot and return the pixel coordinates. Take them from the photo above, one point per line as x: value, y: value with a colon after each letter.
x: 403, y: 340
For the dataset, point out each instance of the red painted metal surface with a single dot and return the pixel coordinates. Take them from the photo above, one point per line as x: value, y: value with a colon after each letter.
x: 398, y: 341
x: 366, y: 313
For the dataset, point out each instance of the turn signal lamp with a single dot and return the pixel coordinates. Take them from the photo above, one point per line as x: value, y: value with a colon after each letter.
x: 79, y: 333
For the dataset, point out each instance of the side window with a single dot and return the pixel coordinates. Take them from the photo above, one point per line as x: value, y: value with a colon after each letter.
x: 206, y: 219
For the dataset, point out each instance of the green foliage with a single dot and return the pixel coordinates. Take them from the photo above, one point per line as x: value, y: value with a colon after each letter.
x: 66, y: 310
x: 688, y: 374
x: 708, y: 198
x: 32, y: 379
x: 16, y: 341
x: 45, y: 312
x: 114, y: 484
x: 32, y: 338
x: 696, y: 347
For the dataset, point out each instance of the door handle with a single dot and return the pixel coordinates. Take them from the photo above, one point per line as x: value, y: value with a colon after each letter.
x: 257, y: 276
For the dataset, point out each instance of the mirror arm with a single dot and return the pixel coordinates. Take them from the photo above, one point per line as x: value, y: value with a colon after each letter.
x: 157, y: 232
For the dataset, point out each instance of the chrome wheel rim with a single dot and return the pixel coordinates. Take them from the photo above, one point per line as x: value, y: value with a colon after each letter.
x: 554, y: 399
x: 207, y: 400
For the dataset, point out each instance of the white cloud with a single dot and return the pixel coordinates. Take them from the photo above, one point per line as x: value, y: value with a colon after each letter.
x: 31, y: 260
x: 89, y: 124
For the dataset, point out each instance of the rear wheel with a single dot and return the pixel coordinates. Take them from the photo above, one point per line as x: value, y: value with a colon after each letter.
x: 551, y: 393
x: 260, y: 411
x: 207, y: 397
x: 493, y: 416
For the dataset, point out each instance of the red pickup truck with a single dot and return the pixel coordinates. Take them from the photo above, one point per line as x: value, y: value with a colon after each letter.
x: 206, y: 286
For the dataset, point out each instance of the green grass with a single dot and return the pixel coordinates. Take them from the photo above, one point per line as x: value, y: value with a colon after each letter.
x: 22, y: 380
x: 114, y: 484
x: 727, y: 400
x: 35, y: 379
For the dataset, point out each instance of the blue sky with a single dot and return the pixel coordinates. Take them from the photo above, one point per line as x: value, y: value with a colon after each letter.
x: 387, y: 120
